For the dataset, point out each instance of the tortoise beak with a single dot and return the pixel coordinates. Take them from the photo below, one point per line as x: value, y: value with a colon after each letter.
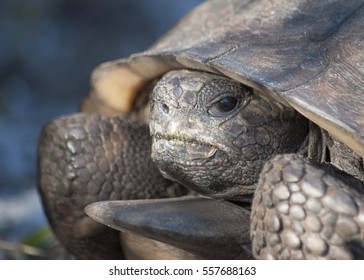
x: 209, y: 228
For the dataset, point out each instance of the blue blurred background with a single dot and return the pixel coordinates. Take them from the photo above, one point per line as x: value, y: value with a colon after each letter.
x: 48, y: 49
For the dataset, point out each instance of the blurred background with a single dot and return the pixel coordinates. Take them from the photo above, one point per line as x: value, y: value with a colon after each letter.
x: 48, y: 49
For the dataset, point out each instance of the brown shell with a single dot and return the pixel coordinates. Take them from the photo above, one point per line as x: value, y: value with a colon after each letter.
x: 305, y: 53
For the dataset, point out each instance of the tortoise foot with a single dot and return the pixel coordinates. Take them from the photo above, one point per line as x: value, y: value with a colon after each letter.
x: 300, y: 211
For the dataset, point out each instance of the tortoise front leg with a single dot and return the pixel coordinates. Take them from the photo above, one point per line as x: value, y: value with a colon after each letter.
x: 86, y: 158
x: 302, y: 211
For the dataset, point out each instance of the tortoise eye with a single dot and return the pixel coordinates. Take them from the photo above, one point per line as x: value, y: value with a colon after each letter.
x: 223, y: 106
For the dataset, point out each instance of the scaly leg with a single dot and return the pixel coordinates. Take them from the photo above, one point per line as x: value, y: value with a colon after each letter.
x: 302, y: 211
x: 86, y: 158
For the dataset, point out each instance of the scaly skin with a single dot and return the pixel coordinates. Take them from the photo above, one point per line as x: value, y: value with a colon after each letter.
x: 213, y: 135
x: 306, y: 211
x: 301, y: 211
x: 85, y: 158
x: 219, y: 154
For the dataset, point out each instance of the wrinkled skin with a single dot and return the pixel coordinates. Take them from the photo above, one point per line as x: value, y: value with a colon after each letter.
x: 307, y: 185
x: 222, y: 140
x: 214, y: 135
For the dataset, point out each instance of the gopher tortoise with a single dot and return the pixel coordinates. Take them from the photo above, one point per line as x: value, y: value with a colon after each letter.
x: 238, y: 135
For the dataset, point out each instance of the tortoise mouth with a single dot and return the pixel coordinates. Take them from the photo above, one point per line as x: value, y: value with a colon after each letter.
x: 199, y: 166
x: 185, y: 151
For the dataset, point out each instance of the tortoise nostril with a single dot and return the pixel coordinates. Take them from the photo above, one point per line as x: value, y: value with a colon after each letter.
x: 165, y: 108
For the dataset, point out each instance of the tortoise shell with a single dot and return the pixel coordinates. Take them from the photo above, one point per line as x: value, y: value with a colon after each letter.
x: 306, y: 54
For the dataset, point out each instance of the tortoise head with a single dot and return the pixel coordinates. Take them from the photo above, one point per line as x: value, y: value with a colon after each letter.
x: 214, y: 134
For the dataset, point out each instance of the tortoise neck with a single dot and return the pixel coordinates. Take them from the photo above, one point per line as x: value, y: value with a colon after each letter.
x: 321, y: 147
x: 315, y: 145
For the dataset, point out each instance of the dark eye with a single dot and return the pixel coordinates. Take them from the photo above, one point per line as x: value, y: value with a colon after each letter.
x: 223, y: 106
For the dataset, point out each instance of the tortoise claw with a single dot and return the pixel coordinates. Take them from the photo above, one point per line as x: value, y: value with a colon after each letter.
x: 213, y: 229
